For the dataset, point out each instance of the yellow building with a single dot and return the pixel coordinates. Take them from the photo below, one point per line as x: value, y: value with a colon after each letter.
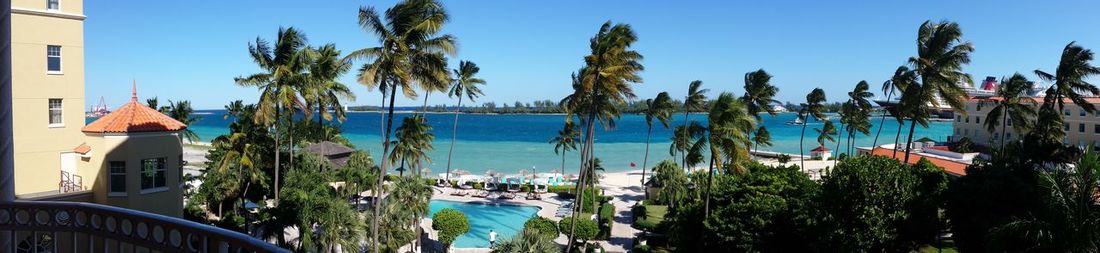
x: 1082, y: 128
x: 129, y: 158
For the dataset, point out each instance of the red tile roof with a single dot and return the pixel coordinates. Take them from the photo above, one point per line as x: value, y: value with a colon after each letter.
x: 819, y: 148
x: 83, y: 149
x: 952, y: 167
x: 134, y: 117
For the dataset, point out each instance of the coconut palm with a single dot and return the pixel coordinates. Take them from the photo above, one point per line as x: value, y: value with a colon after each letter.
x: 825, y: 133
x: 761, y: 138
x: 728, y: 127
x: 941, y: 53
x: 410, y: 197
x: 696, y: 100
x: 181, y: 111
x: 759, y: 93
x: 605, y: 80
x: 414, y: 141
x: 325, y: 90
x: 566, y: 140
x: 902, y: 78
x: 410, y: 53
x: 1069, y: 80
x: 859, y: 115
x: 814, y: 107
x: 659, y: 108
x: 280, y: 83
x: 1011, y: 102
x: 528, y: 240
x: 1069, y: 220
x: 465, y: 85
x: 683, y: 137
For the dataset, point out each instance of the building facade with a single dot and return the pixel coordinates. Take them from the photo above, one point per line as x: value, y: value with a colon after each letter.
x: 130, y: 158
x: 1082, y: 128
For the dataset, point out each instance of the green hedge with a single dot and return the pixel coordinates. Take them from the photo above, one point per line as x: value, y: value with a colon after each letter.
x: 560, y: 189
x: 606, y: 218
x: 546, y: 227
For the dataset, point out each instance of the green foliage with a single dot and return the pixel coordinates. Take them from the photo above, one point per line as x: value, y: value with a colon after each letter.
x: 586, y: 229
x: 546, y: 227
x: 559, y: 189
x: 963, y: 145
x: 606, y: 217
x: 450, y: 223
x: 308, y: 201
x: 671, y: 182
x: 529, y: 241
x: 784, y: 158
x: 900, y: 214
x: 650, y: 218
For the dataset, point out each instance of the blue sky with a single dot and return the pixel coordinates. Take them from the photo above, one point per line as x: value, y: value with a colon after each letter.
x: 526, y: 49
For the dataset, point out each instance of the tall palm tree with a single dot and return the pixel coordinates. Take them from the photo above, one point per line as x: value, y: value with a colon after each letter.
x: 1012, y: 102
x: 859, y: 119
x: 902, y: 78
x: 728, y: 127
x: 465, y: 85
x: 605, y: 80
x: 326, y: 91
x: 825, y: 133
x: 414, y: 140
x: 1069, y: 80
x: 565, y: 141
x: 280, y: 83
x: 659, y: 108
x: 1069, y: 220
x: 761, y: 138
x: 759, y: 93
x: 410, y: 52
x: 814, y: 107
x: 529, y: 240
x: 696, y: 100
x: 410, y: 202
x: 941, y: 53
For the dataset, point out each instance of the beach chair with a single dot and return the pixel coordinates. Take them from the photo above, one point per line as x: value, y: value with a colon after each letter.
x: 482, y: 194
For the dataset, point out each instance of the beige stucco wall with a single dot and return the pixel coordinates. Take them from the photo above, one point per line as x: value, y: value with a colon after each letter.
x: 973, y: 126
x: 38, y: 147
x: 132, y: 149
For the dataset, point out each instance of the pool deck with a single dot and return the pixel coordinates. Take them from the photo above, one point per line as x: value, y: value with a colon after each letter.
x: 548, y: 205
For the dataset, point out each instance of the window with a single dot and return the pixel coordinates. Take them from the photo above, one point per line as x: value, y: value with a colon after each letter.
x: 53, y: 59
x: 1008, y: 136
x: 55, y: 112
x: 967, y: 119
x: 1066, y: 112
x: 117, y: 178
x: 153, y: 173
x: 1081, y: 127
x: 958, y: 118
x: 1082, y: 114
x: 1009, y: 122
x: 52, y: 4
x: 1097, y: 129
x: 966, y: 132
x: 977, y: 119
x: 1065, y: 126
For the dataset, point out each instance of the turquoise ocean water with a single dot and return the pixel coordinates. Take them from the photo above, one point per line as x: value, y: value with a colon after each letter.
x: 508, y: 143
x: 506, y: 220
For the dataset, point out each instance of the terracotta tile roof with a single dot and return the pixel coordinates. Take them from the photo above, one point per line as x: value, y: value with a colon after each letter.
x: 952, y: 167
x: 134, y: 117
x: 819, y: 148
x: 83, y: 149
x: 1038, y: 100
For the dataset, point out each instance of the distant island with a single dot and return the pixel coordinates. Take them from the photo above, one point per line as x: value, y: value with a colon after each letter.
x: 551, y: 107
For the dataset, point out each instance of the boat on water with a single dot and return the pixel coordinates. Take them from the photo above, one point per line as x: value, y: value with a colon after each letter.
x: 99, y: 110
x: 796, y: 122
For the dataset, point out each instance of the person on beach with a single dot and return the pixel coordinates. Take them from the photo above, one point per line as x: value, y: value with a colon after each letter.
x: 492, y: 238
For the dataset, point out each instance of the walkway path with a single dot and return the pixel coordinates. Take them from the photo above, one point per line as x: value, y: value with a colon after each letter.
x: 626, y: 189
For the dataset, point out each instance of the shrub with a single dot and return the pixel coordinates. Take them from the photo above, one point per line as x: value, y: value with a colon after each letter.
x: 561, y: 189
x: 606, y: 218
x: 586, y: 229
x: 964, y: 145
x: 546, y: 227
x: 784, y: 158
x: 450, y: 223
x: 641, y: 248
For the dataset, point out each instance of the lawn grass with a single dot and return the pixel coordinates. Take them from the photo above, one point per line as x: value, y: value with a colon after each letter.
x: 656, y: 213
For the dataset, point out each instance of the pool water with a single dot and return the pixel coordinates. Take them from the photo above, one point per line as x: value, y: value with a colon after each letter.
x: 506, y: 220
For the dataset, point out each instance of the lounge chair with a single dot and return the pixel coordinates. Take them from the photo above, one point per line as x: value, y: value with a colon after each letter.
x: 482, y: 194
x: 459, y: 193
x: 507, y: 196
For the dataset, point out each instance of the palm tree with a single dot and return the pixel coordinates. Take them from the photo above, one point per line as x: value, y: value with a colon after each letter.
x: 1070, y: 219
x: 414, y: 140
x: 941, y: 53
x: 759, y: 93
x: 410, y: 197
x: 409, y: 53
x: 1069, y: 80
x: 181, y: 111
x: 528, y: 240
x: 605, y: 80
x: 728, y: 127
x: 762, y: 138
x: 814, y: 107
x: 902, y: 78
x: 696, y: 100
x: 1012, y: 102
x: 825, y: 133
x: 859, y: 118
x: 566, y: 140
x: 659, y: 108
x: 280, y: 82
x: 325, y: 90
x: 465, y: 85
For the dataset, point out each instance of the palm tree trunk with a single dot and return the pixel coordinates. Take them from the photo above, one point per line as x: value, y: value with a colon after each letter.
x: 710, y: 179
x: 898, y: 139
x: 801, y: 149
x: 382, y: 171
x: 1004, y: 129
x: 454, y: 133
x: 585, y: 150
x: 424, y: 109
x: 912, y: 127
x: 881, y: 121
x: 645, y: 161
x: 290, y: 137
x: 835, y: 160
x: 275, y: 128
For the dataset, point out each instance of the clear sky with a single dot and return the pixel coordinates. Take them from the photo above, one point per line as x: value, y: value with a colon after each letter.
x: 527, y: 49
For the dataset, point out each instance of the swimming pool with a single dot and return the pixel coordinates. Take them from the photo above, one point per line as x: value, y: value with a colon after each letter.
x: 506, y: 220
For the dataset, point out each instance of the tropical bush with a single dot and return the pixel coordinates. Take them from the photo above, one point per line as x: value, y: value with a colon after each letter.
x: 606, y: 218
x: 529, y: 241
x: 963, y: 145
x: 450, y: 223
x: 586, y: 229
x: 546, y: 227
